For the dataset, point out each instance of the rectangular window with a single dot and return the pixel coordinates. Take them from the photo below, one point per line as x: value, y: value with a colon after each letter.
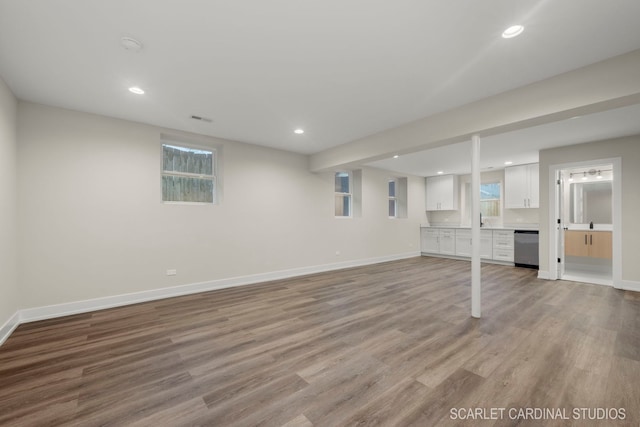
x: 343, y: 194
x: 188, y: 174
x: 393, y: 201
x: 490, y: 199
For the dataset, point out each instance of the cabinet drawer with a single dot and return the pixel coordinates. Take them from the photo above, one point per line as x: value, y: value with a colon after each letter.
x: 463, y: 233
x: 503, y: 233
x: 503, y: 254
x: 448, y: 233
x: 502, y: 239
x: 430, y: 232
x: 499, y: 243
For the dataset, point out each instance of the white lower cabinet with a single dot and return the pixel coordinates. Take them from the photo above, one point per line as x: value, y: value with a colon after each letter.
x: 429, y: 241
x: 495, y: 245
x: 486, y: 244
x: 448, y: 241
x: 464, y: 243
x: 438, y: 240
x: 503, y: 245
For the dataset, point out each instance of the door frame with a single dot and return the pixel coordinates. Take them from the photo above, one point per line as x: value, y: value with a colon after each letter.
x: 554, y: 230
x: 561, y: 225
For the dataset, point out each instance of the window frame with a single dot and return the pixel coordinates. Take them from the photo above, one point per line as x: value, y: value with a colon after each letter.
x: 348, y: 194
x: 499, y: 199
x: 393, y: 198
x: 213, y: 177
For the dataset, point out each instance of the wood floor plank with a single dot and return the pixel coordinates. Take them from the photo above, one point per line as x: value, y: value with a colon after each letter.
x: 390, y: 344
x: 299, y: 421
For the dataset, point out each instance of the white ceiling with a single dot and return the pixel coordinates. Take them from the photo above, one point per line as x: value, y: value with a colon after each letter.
x: 339, y: 69
x: 520, y: 146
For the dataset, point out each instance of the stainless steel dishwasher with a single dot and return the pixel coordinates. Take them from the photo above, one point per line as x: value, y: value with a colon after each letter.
x: 525, y: 248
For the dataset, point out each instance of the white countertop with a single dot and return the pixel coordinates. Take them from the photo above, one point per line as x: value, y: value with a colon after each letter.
x: 596, y: 227
x: 466, y: 227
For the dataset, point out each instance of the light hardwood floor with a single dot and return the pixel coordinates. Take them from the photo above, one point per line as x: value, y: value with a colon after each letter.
x: 389, y: 344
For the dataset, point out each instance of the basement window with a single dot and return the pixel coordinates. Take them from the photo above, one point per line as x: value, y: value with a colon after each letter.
x: 393, y: 201
x: 397, y: 197
x: 490, y: 203
x: 188, y: 174
x: 343, y: 196
x: 490, y: 200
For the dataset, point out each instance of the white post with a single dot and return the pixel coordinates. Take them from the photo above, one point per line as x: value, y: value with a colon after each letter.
x: 476, y: 284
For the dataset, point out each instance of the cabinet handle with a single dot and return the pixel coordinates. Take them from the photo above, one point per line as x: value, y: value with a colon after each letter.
x: 525, y: 202
x: 591, y: 239
x: 585, y: 239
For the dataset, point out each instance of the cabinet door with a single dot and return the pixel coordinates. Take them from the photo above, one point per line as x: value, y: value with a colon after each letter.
x: 429, y: 240
x: 515, y: 187
x: 447, y: 241
x: 448, y: 192
x: 534, y: 185
x: 600, y: 244
x: 486, y: 244
x: 463, y: 243
x: 576, y: 243
x: 442, y: 193
x: 433, y: 193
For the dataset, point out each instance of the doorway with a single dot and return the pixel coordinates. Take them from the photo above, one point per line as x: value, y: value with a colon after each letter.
x: 585, y: 207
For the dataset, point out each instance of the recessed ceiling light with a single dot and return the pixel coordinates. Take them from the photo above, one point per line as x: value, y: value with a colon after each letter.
x: 396, y: 156
x: 298, y: 131
x: 440, y: 172
x: 508, y: 162
x: 136, y: 90
x: 512, y: 31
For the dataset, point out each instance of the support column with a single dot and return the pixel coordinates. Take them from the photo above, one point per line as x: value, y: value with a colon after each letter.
x: 476, y: 284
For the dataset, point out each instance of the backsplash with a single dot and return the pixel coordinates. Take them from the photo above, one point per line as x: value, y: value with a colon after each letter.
x: 511, y: 218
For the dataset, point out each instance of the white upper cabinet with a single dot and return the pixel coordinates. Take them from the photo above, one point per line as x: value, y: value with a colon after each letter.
x: 534, y: 185
x: 521, y: 188
x: 442, y: 193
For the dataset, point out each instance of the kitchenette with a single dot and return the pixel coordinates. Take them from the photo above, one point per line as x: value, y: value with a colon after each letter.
x: 509, y: 205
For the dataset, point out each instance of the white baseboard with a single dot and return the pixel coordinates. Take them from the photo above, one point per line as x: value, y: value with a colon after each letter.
x: 9, y: 326
x: 543, y: 275
x: 76, y: 307
x: 630, y: 285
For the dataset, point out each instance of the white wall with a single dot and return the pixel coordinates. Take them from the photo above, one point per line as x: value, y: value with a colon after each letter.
x: 92, y: 224
x: 9, y: 301
x: 629, y: 150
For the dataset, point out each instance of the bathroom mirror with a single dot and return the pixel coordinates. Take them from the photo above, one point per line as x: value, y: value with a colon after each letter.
x: 590, y: 202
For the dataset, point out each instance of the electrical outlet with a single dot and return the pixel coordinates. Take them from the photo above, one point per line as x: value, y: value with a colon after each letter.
x: 172, y: 272
x: 337, y: 253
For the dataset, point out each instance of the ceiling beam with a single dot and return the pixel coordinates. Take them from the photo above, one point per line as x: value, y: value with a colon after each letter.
x: 602, y: 86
